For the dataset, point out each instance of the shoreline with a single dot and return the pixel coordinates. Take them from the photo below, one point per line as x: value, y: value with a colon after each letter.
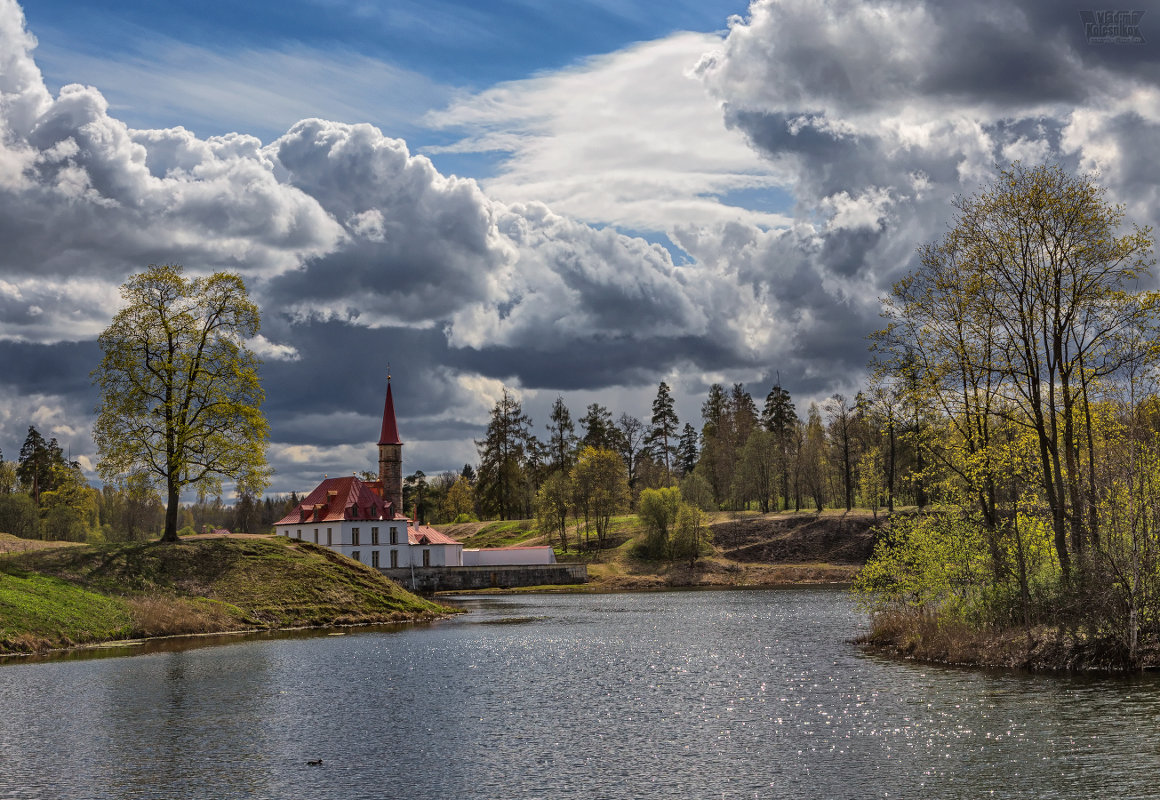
x: 1041, y: 650
x: 145, y: 645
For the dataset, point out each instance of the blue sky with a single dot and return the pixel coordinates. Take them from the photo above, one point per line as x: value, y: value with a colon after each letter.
x: 580, y: 199
x: 457, y: 46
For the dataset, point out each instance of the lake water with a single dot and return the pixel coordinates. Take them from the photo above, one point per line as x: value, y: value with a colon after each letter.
x: 744, y: 694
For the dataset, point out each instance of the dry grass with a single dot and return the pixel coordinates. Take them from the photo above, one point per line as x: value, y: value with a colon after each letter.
x: 14, y: 544
x: 926, y: 637
x: 158, y: 615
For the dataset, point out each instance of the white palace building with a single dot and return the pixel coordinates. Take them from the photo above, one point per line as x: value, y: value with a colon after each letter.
x: 364, y: 519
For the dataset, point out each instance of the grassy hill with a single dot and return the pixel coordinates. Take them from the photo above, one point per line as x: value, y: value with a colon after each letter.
x: 55, y: 597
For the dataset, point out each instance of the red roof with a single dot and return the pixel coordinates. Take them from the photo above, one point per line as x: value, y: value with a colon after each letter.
x: 425, y: 534
x: 390, y: 433
x: 337, y: 499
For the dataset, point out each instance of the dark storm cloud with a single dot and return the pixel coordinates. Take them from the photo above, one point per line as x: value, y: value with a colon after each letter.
x: 59, y: 369
x: 881, y: 114
x: 599, y: 362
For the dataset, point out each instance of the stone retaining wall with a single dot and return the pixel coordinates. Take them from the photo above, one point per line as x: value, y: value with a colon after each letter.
x: 428, y: 580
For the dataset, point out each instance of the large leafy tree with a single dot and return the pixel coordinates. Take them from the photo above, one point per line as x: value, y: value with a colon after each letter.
x: 658, y: 512
x: 553, y: 500
x: 180, y: 398
x: 600, y: 483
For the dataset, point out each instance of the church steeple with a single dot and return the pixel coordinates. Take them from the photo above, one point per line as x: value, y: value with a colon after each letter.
x: 391, y: 454
x: 390, y: 432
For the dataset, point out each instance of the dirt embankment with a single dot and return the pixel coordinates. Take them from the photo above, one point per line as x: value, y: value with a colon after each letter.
x: 797, y: 539
x: 762, y: 550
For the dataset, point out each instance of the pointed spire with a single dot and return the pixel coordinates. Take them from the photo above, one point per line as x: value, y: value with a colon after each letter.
x: 390, y: 432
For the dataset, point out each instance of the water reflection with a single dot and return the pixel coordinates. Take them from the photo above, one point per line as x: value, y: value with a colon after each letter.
x: 724, y: 695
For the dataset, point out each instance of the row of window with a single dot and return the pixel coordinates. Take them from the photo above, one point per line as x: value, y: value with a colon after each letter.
x: 354, y: 536
x: 394, y: 558
x: 374, y: 540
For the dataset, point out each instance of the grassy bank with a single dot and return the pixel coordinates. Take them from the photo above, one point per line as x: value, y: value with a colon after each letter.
x: 62, y: 597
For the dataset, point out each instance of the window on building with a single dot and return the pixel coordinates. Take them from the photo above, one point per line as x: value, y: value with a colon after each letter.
x: 316, y: 535
x: 394, y: 559
x: 394, y: 535
x: 329, y: 538
x: 354, y: 536
x: 426, y: 557
x: 298, y: 534
x: 375, y: 558
x: 354, y: 555
x: 374, y: 535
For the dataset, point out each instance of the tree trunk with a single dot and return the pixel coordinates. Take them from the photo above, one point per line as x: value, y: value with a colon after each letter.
x: 170, y: 534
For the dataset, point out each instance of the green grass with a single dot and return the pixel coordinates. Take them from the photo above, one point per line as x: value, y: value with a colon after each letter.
x: 59, y: 597
x: 39, y: 608
x: 506, y: 533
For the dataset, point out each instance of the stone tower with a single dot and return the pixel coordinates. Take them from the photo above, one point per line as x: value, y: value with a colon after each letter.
x: 391, y: 455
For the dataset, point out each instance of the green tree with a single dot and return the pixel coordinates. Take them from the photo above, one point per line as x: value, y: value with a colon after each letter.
x: 459, y: 503
x: 663, y: 433
x: 601, y: 483
x: 503, y: 457
x: 180, y: 398
x: 18, y: 516
x: 561, y: 436
x: 39, y: 464
x: 414, y: 494
x: 599, y: 430
x: 633, y: 447
x: 658, y: 512
x: 843, y: 440
x: 131, y: 512
x: 696, y: 490
x: 1039, y: 274
x: 755, y: 477
x: 780, y: 418
x: 690, y: 533
x: 687, y: 450
x: 870, y: 483
x: 8, y: 479
x: 69, y: 509
x: 812, y: 457
x: 552, y: 503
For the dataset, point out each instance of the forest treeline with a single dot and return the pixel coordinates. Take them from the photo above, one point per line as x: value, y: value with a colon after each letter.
x: 45, y: 495
x: 741, y: 455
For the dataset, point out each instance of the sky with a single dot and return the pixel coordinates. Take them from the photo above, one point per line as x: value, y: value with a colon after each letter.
x: 575, y: 199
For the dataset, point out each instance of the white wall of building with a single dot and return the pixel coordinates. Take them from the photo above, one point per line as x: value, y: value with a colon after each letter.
x: 339, y: 536
x: 508, y: 557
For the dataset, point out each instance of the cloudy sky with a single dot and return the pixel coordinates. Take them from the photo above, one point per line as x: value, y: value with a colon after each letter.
x: 576, y: 198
